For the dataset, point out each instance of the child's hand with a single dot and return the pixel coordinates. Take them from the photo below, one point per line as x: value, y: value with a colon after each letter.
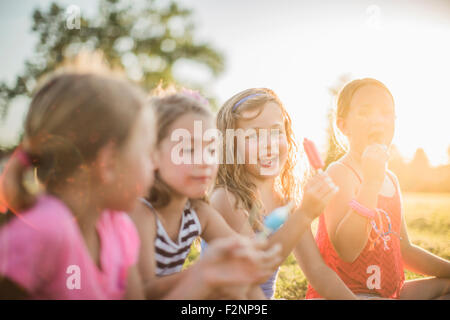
x: 373, y: 164
x: 239, y: 261
x: 318, y: 192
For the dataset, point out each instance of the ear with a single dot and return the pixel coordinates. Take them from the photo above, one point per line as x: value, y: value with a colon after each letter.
x: 340, y: 123
x: 105, y: 163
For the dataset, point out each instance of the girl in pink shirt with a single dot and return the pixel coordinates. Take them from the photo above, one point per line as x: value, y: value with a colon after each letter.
x: 87, y: 137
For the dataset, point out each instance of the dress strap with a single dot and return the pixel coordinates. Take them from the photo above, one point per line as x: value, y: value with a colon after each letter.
x: 148, y: 204
x: 351, y: 168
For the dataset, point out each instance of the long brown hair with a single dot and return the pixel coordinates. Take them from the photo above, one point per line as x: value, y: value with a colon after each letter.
x: 170, y: 104
x: 234, y: 177
x: 75, y: 111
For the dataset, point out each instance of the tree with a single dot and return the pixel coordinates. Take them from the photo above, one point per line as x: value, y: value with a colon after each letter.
x: 144, y: 38
x: 420, y: 161
x: 419, y: 173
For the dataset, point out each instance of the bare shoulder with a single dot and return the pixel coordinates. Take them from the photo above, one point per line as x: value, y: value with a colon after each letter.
x: 342, y: 176
x: 394, y: 177
x: 203, y: 210
x: 143, y: 217
x: 227, y: 204
x: 221, y: 198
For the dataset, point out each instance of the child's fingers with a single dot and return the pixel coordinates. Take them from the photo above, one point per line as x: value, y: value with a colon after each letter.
x: 260, y: 243
x: 261, y: 258
x: 225, y: 245
x: 324, y: 188
x: 312, y: 186
x: 271, y: 258
x: 327, y: 188
x: 331, y: 193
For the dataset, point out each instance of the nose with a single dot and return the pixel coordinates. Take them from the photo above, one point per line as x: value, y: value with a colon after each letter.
x: 269, y: 142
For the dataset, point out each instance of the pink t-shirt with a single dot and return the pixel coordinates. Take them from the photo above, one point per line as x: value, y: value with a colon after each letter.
x: 44, y: 252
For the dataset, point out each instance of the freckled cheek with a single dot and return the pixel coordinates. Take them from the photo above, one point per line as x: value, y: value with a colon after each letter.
x: 176, y: 174
x: 283, y: 144
x: 358, y: 129
x: 252, y: 148
x: 242, y: 151
x: 283, y: 149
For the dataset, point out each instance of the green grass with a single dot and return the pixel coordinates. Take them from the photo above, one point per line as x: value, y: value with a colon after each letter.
x: 428, y: 220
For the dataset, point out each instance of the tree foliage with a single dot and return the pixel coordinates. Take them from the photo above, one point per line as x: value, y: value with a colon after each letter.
x: 145, y: 38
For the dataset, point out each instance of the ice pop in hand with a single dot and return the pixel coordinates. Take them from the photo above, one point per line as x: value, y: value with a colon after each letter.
x: 276, y: 219
x: 313, y: 155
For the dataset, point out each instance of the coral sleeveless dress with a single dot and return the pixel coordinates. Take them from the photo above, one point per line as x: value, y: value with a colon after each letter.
x: 377, y: 270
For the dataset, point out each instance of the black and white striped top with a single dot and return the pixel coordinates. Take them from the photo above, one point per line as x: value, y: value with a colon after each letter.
x: 170, y: 256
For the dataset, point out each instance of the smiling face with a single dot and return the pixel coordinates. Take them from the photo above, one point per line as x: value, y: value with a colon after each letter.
x: 192, y: 177
x: 266, y: 139
x: 370, y: 119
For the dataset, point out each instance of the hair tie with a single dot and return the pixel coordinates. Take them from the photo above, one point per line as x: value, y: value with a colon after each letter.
x: 245, y: 99
x: 196, y: 95
x: 23, y: 157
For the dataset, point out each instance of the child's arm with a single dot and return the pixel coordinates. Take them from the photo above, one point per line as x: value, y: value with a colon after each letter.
x: 321, y: 277
x: 215, y: 227
x: 318, y: 192
x: 256, y: 293
x: 224, y: 202
x: 348, y: 231
x: 192, y: 285
x: 134, y: 291
x: 153, y: 286
x: 419, y: 260
x: 213, y: 224
x: 227, y: 269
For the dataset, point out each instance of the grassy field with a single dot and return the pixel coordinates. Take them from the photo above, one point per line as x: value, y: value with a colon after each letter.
x: 428, y: 219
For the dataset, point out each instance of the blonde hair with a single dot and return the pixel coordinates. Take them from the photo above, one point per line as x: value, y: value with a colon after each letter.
x: 74, y: 112
x: 234, y: 177
x: 343, y: 102
x: 171, y: 104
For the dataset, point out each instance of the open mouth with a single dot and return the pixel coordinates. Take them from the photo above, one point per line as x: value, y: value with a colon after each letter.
x: 267, y: 162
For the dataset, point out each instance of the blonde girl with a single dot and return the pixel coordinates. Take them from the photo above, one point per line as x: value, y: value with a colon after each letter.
x: 246, y: 192
x: 83, y: 131
x: 174, y: 212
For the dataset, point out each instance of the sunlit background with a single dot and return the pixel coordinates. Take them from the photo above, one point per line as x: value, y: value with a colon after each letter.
x: 303, y: 50
x: 300, y: 49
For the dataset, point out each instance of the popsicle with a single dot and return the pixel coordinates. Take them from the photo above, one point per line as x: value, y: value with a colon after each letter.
x: 313, y: 155
x: 276, y: 219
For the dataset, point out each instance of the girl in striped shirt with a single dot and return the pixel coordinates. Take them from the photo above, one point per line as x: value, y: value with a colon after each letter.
x: 173, y: 215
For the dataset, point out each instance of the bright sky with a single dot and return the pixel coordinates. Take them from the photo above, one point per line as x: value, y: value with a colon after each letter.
x: 299, y: 49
